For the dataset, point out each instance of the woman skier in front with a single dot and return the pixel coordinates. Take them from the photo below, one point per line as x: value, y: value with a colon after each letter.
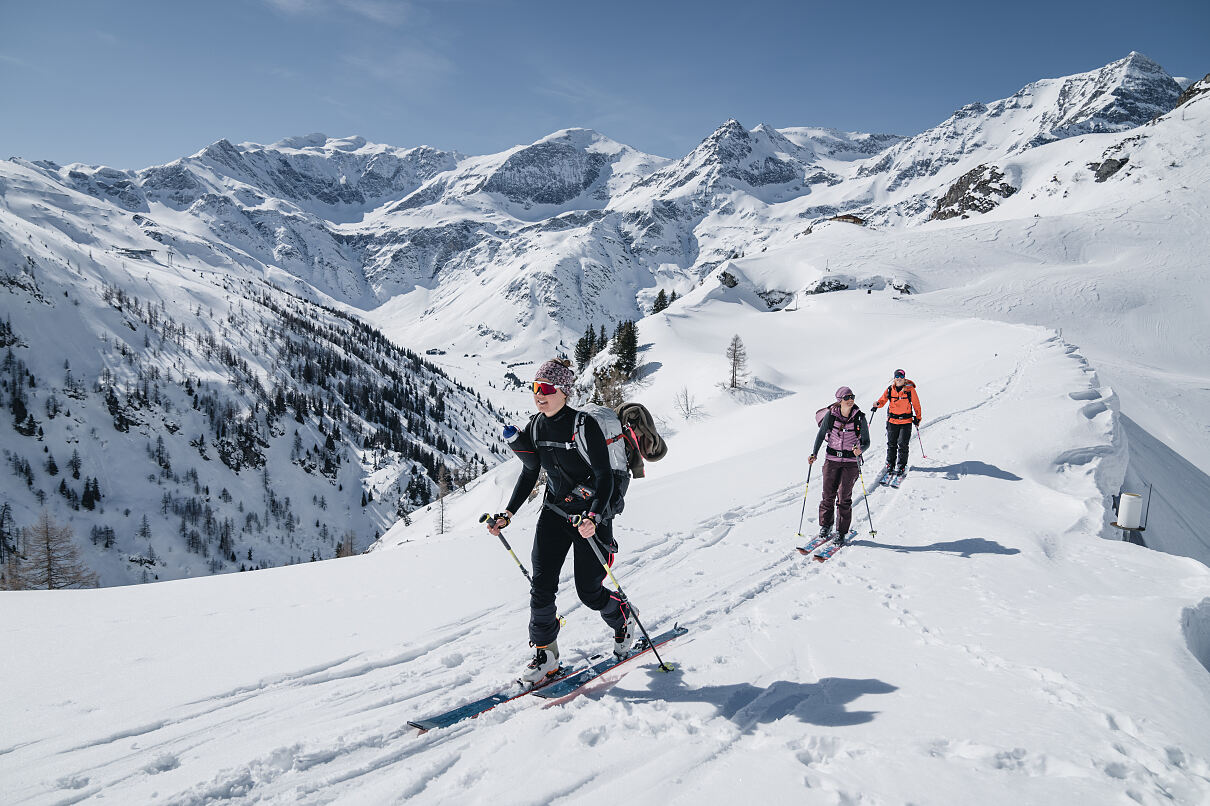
x: 572, y: 485
x: 844, y: 428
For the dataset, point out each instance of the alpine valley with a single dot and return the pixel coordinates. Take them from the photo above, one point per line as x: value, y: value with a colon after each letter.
x: 262, y: 355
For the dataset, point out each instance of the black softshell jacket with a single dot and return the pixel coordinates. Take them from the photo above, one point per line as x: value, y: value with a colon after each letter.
x: 565, y: 469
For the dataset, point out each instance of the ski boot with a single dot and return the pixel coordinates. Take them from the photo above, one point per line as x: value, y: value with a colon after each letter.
x: 623, y: 637
x: 544, y: 664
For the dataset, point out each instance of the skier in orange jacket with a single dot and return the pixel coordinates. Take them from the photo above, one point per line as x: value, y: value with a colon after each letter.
x: 902, y: 412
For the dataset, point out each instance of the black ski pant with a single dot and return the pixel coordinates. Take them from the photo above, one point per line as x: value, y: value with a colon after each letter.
x: 838, y: 480
x: 898, y: 438
x: 552, y: 540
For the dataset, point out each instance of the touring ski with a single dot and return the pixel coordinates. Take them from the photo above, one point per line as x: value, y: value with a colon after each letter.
x: 571, y: 684
x: 827, y: 552
x: 897, y: 479
x: 474, y: 709
x: 816, y: 543
x: 565, y: 683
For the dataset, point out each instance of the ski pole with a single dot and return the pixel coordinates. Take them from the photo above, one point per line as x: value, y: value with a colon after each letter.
x: 576, y: 520
x: 484, y: 518
x: 866, y: 497
x: 921, y: 441
x: 810, y: 466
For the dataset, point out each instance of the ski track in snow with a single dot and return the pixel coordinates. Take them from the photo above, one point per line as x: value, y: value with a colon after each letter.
x: 354, y: 738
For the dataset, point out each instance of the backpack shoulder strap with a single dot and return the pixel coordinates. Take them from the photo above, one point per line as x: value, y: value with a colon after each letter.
x: 579, y: 437
x: 545, y: 443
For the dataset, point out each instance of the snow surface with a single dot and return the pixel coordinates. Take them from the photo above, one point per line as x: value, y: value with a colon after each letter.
x: 987, y: 643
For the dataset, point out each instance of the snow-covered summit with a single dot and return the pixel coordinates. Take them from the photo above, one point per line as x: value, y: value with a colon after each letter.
x: 1119, y: 96
x: 571, y: 169
x: 761, y: 162
x: 839, y: 145
x: 335, y: 179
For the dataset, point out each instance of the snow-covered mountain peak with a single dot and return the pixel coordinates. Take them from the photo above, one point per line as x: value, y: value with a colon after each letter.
x: 1121, y: 95
x: 1116, y: 97
x: 761, y: 162
x: 309, y: 141
x: 570, y: 169
x: 837, y: 145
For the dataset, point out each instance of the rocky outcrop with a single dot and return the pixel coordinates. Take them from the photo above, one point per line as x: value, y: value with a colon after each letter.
x: 546, y: 173
x: 1193, y: 90
x: 1106, y: 169
x: 977, y: 191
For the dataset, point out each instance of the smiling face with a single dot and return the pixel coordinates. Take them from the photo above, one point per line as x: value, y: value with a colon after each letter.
x: 548, y: 404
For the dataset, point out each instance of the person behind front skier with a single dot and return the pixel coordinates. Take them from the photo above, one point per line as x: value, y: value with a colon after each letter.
x: 844, y: 429
x: 572, y: 485
x: 901, y: 400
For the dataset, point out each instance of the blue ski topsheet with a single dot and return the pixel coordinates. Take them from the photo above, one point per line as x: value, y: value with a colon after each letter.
x: 827, y: 551
x: 567, y: 685
x: 564, y: 683
x: 474, y: 709
x: 816, y: 543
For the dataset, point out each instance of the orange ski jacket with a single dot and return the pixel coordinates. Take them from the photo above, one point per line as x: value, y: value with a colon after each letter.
x: 900, y: 403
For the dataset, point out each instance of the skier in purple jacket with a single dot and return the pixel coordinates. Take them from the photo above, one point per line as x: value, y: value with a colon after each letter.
x: 844, y: 428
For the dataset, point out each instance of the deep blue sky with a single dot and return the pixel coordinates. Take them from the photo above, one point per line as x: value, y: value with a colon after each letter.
x: 142, y: 82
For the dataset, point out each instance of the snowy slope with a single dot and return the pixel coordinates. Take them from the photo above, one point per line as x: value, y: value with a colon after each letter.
x: 230, y: 415
x: 986, y: 643
x: 1118, y: 266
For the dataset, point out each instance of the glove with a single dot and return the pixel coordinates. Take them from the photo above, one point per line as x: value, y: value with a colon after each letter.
x: 916, y: 420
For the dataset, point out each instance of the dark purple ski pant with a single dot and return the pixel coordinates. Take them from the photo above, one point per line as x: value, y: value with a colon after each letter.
x: 838, y: 481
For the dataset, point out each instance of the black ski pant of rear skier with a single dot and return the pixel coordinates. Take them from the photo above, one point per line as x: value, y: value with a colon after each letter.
x: 838, y: 480
x: 898, y: 438
x: 552, y: 540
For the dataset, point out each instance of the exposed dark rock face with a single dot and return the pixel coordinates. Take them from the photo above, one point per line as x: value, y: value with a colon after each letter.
x: 1108, y: 168
x: 826, y: 286
x: 732, y: 145
x: 978, y: 191
x: 546, y: 173
x: 1193, y: 90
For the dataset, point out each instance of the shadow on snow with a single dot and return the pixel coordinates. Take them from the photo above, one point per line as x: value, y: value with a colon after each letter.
x: 966, y: 548
x: 822, y: 703
x: 954, y: 472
